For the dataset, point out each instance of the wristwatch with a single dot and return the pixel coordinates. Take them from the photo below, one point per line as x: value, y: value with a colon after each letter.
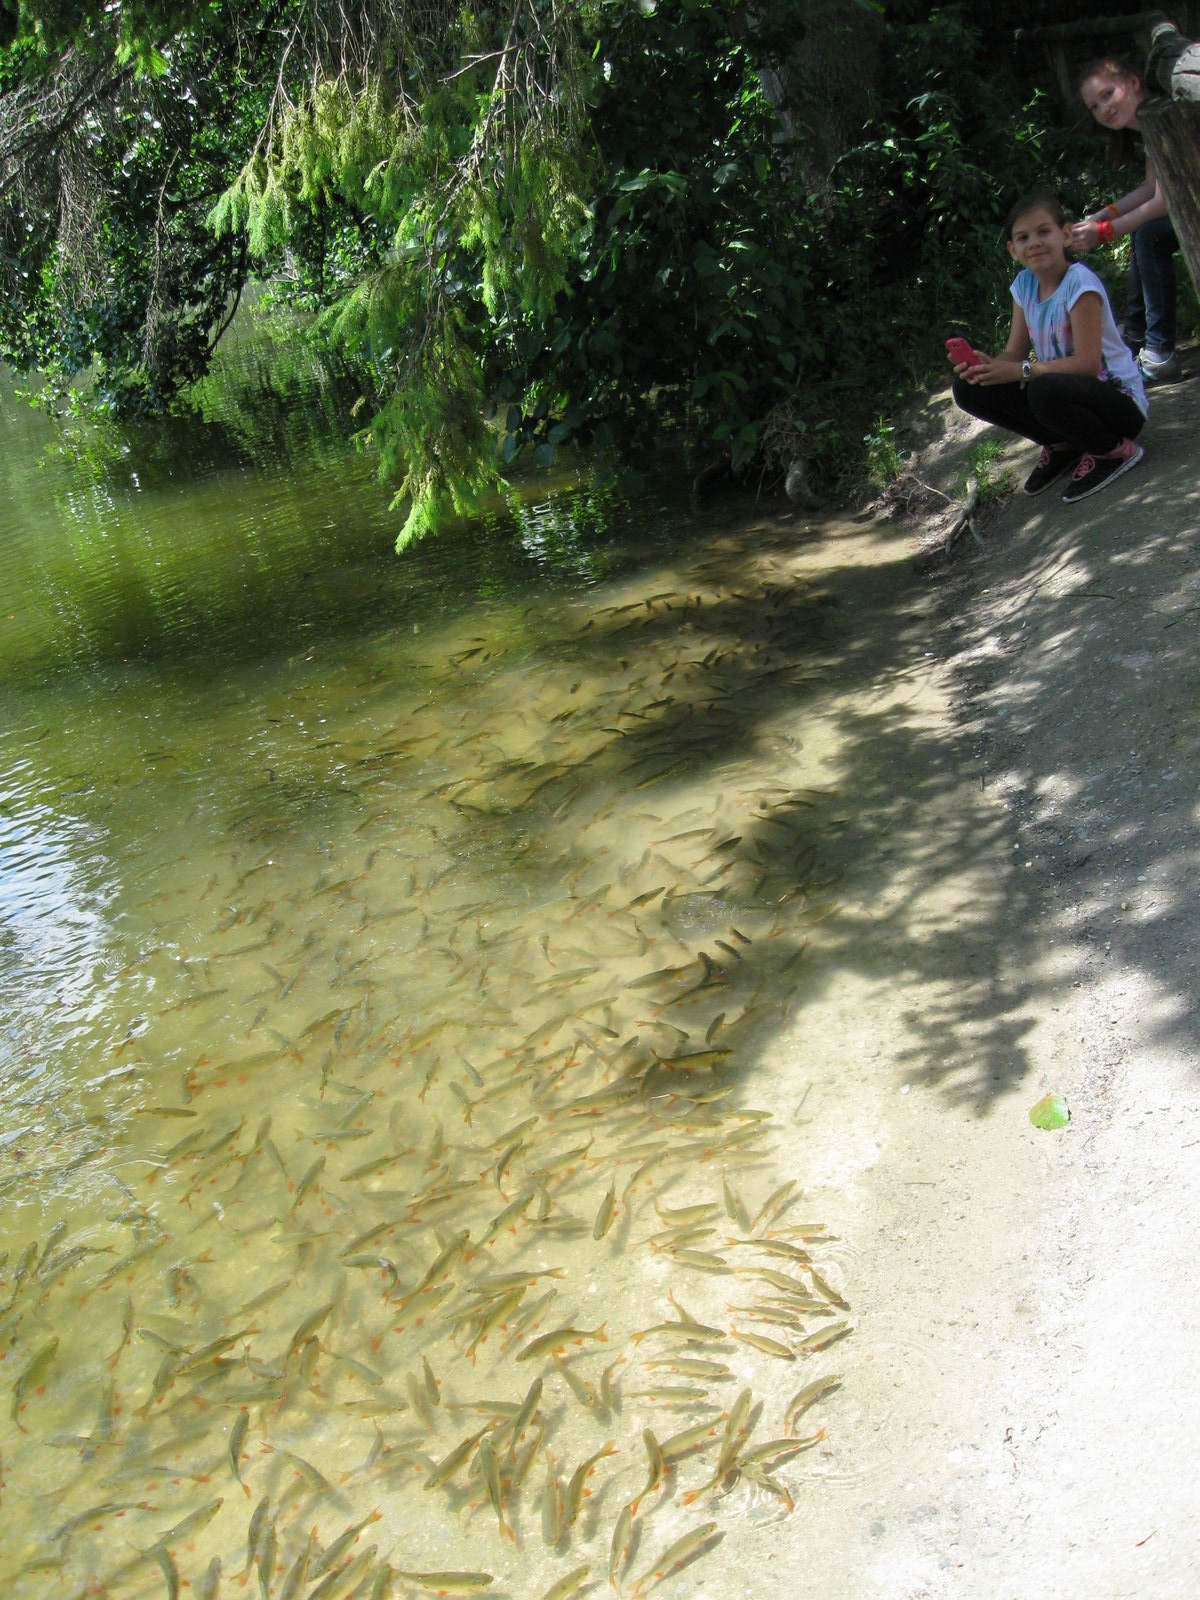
x: 1026, y: 372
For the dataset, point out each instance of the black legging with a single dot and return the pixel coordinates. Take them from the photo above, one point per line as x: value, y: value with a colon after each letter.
x: 1056, y: 409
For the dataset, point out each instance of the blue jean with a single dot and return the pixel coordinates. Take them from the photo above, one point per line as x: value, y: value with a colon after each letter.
x: 1150, y: 309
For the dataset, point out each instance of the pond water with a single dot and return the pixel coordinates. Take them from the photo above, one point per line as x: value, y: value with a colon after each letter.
x: 388, y: 945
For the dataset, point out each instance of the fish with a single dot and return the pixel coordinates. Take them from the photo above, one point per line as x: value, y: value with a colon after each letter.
x: 258, y: 1520
x: 449, y: 1582
x: 697, y: 1332
x: 774, y: 1247
x: 823, y: 1337
x: 706, y: 1260
x: 770, y: 1347
x: 419, y: 1400
x: 506, y: 1157
x: 559, y: 1337
x: 499, y: 1311
x: 737, y: 1426
x: 775, y: 1204
x: 793, y: 1287
x: 190, y: 1524
x: 30, y: 1379
x: 523, y: 1463
x: 553, y: 1506
x: 445, y: 1469
x: 784, y: 1314
x: 209, y: 1352
x: 24, y: 1266
x: 339, y: 1580
x: 568, y: 1585
x: 809, y: 1396
x: 676, y: 1556
x: 528, y: 1406
x: 694, y: 1061
x: 681, y: 1444
x: 511, y: 1213
x: 575, y: 1487
x: 96, y: 1514
x: 608, y: 1393
x: 622, y: 1544
x: 237, y: 1438
x: 297, y: 1574
x: 604, y: 1216
x: 583, y: 1391
x: 658, y: 1468
x: 683, y: 1215
x: 382, y: 1264
x: 689, y: 1368
x: 432, y: 1387
x: 330, y: 1556
x: 758, y: 1475
x: 169, y: 1570
x: 57, y: 1265
x: 490, y: 1468
x: 734, y: 1208
x: 776, y: 1451
x: 305, y: 1470
x: 827, y: 1290
x: 447, y: 1254
x: 307, y: 1328
x: 265, y: 1296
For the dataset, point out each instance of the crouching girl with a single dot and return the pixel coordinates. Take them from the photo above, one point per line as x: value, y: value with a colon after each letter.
x: 1081, y: 395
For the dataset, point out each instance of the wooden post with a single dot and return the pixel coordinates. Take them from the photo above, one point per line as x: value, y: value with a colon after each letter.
x: 1172, y: 132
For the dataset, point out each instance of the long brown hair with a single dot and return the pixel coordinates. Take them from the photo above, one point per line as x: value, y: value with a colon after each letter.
x: 1122, y: 142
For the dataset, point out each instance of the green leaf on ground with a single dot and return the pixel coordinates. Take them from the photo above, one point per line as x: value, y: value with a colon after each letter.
x: 1051, y: 1111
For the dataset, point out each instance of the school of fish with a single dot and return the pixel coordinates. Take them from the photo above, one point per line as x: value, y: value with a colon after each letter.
x: 436, y: 1246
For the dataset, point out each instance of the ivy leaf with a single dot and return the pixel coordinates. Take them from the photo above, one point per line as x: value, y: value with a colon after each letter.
x: 1050, y: 1112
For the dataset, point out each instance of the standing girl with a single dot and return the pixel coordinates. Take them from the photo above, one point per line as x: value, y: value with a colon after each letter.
x: 1081, y: 397
x: 1113, y: 92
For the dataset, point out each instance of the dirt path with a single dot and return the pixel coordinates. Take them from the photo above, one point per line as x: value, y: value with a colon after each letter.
x: 1017, y: 737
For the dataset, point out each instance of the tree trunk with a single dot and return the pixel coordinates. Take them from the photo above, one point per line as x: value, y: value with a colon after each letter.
x: 1172, y: 133
x: 823, y: 86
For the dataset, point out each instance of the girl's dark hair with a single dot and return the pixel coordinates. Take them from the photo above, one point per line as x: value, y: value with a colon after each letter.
x: 1107, y: 67
x: 1035, y: 200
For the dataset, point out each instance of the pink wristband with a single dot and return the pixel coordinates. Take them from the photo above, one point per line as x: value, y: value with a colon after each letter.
x: 1104, y: 231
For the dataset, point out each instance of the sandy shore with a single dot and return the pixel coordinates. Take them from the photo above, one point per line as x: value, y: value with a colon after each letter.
x: 1016, y: 733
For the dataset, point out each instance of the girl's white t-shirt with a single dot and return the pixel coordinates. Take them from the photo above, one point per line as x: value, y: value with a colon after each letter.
x: 1049, y: 324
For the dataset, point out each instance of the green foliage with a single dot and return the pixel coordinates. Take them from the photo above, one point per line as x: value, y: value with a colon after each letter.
x: 915, y: 214
x: 994, y: 486
x: 114, y: 283
x: 884, y: 459
x: 559, y: 223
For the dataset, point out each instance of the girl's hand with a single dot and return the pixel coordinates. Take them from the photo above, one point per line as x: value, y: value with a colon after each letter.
x: 1082, y: 236
x: 967, y: 369
x: 992, y: 370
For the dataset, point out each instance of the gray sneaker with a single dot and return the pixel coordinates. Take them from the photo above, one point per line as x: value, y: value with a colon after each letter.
x: 1158, y: 366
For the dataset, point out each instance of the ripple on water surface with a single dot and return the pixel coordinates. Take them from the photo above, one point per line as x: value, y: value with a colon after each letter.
x: 387, y: 1198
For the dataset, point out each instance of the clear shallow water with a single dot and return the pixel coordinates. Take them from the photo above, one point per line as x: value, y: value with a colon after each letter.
x: 386, y: 949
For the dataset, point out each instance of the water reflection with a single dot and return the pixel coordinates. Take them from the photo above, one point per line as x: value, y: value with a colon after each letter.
x: 140, y: 553
x: 53, y: 926
x: 390, y: 1197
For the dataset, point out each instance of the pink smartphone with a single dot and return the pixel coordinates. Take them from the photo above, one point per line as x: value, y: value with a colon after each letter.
x: 961, y: 353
